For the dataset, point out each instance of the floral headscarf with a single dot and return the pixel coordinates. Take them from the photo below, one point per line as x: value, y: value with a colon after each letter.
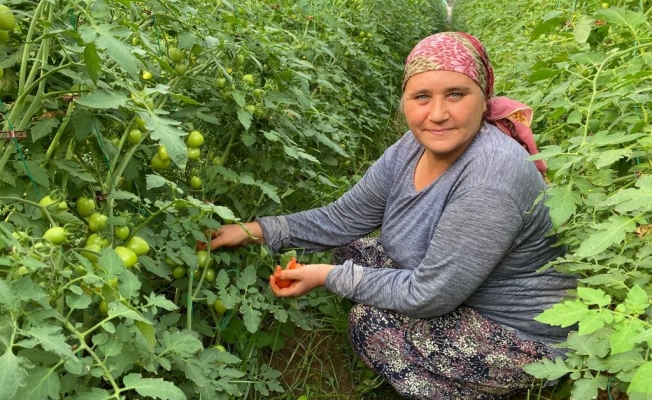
x: 463, y: 53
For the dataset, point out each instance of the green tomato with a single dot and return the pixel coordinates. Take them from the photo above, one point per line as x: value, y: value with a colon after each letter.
x: 147, y: 75
x: 49, y: 200
x: 128, y: 257
x: 210, y: 275
x: 56, y: 235
x: 180, y: 69
x: 195, y: 275
x: 138, y: 245
x: 240, y: 59
x: 176, y: 55
x: 179, y: 272
x: 248, y: 79
x: 220, y: 348
x: 159, y: 164
x: 104, y: 308
x: 163, y: 153
x: 97, y: 222
x: 250, y: 108
x: 134, y: 136
x: 140, y: 123
x: 94, y: 238
x: 4, y: 37
x: 193, y: 153
x: 195, y: 139
x: 90, y: 251
x: 217, y: 160
x: 258, y: 93
x: 204, y: 259
x: 121, y: 232
x: 85, y: 206
x: 220, y: 82
x: 219, y: 307
x: 196, y: 182
x: 7, y: 19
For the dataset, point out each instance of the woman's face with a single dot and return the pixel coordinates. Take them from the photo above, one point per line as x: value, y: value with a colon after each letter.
x: 444, y: 111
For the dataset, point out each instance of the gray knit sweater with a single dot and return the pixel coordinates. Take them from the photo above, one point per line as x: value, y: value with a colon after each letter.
x: 473, y: 237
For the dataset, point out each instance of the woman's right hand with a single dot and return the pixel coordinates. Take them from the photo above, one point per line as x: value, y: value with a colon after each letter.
x: 234, y: 235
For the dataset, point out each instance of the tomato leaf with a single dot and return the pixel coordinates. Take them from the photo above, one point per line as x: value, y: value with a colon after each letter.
x: 607, y: 233
x: 153, y: 387
x: 245, y: 118
x: 103, y: 99
x: 165, y: 131
x: 41, y: 384
x: 12, y: 374
x: 50, y: 338
x: 641, y: 380
x: 119, y: 51
x: 92, y: 62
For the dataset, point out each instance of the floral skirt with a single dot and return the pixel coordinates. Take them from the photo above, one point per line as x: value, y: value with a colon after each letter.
x: 460, y: 355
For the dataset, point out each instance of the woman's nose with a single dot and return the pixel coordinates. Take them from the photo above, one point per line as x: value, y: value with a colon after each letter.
x: 438, y: 110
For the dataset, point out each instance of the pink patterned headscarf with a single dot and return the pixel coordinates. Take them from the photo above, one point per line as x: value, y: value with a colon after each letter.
x: 463, y: 53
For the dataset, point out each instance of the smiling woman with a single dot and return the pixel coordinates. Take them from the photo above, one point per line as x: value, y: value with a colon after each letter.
x: 446, y: 297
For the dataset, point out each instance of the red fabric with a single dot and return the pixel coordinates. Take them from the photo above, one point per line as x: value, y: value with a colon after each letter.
x: 463, y: 53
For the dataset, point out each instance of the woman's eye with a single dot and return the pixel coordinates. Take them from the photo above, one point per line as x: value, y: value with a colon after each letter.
x: 422, y: 97
x: 456, y: 95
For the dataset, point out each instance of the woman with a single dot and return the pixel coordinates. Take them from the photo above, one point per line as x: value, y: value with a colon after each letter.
x: 446, y: 297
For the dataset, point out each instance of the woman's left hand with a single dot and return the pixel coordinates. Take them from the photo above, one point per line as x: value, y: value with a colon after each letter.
x: 304, y: 279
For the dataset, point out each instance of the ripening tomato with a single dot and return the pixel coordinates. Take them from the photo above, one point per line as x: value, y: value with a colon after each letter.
x: 283, y: 283
x: 128, y: 257
x: 85, y: 206
x: 195, y: 139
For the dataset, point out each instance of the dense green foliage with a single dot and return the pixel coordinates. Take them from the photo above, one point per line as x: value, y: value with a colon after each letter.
x: 290, y: 101
x: 585, y: 69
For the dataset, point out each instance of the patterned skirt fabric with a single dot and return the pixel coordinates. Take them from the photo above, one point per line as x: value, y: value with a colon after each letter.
x: 460, y: 355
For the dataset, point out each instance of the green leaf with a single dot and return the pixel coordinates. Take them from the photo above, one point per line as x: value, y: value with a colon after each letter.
x: 245, y: 118
x: 12, y: 374
x: 608, y: 233
x: 51, y: 339
x: 119, y: 51
x: 41, y: 384
x: 642, y: 380
x: 129, y: 284
x: 43, y: 127
x: 110, y: 263
x: 622, y: 339
x: 73, y: 169
x: 165, y: 131
x: 161, y: 301
x: 117, y: 309
x: 564, y: 314
x: 594, y: 296
x: 620, y: 16
x: 614, y: 364
x: 251, y: 317
x: 583, y: 29
x: 92, y: 62
x: 183, y: 344
x: 94, y: 394
x: 103, y: 99
x: 562, y: 202
x: 153, y: 387
x: 638, y: 298
x: 547, y: 369
x: 587, y: 388
x: 247, y: 277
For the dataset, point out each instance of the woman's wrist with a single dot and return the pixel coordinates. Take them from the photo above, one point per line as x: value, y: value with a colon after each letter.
x: 254, y: 233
